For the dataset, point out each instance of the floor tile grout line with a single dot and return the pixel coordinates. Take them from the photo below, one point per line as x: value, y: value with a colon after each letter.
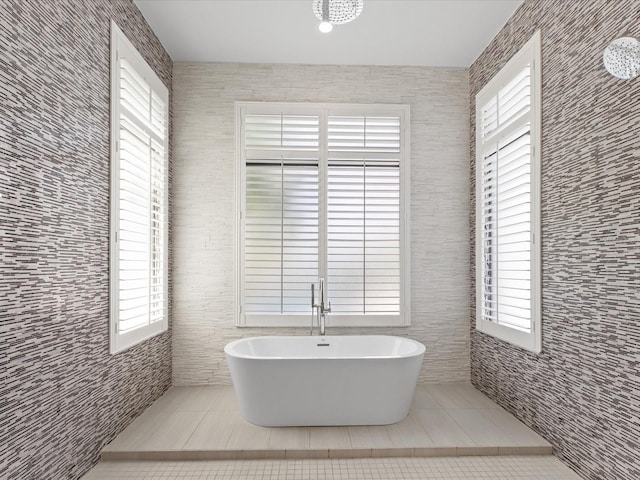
x: 464, y: 430
x: 444, y: 412
x: 503, y: 431
x: 424, y: 429
x: 184, y: 445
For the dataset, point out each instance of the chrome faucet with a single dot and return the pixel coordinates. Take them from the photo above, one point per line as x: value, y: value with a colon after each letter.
x: 323, y: 307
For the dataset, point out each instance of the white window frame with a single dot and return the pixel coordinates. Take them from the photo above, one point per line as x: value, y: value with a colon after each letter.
x: 324, y: 110
x: 121, y: 47
x: 530, y: 53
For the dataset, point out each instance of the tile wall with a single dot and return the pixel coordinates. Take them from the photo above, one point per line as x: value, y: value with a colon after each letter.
x: 204, y: 96
x: 582, y: 393
x: 63, y: 396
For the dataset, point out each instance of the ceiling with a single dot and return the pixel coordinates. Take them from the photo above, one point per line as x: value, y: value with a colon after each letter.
x: 446, y: 33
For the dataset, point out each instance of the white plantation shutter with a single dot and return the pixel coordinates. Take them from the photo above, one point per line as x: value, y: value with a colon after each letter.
x: 281, y: 212
x: 507, y: 231
x: 321, y: 195
x: 363, y: 213
x: 508, y: 202
x: 139, y: 198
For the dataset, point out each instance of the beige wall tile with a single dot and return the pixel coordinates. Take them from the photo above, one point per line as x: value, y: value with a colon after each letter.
x: 203, y: 240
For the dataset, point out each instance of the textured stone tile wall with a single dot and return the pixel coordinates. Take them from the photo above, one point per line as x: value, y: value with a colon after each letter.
x: 63, y: 396
x: 582, y: 392
x: 204, y: 96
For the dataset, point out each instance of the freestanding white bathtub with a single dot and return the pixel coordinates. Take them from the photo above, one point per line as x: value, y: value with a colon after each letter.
x: 332, y: 380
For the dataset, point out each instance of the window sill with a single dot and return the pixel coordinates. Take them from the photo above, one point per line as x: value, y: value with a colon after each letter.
x: 529, y: 341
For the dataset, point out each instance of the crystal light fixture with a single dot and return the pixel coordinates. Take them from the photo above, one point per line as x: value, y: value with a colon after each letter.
x: 622, y: 58
x: 336, y: 12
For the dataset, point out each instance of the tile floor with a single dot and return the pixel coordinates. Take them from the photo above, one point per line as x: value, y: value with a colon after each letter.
x: 204, y: 423
x: 451, y: 468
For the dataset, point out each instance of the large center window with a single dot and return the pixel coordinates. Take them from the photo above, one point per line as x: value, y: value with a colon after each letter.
x: 323, y: 191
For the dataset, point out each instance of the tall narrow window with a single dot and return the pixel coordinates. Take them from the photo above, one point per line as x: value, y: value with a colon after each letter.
x: 508, y: 201
x: 139, y: 193
x: 323, y: 192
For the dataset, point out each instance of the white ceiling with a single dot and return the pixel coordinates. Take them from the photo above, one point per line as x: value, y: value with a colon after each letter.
x: 449, y: 33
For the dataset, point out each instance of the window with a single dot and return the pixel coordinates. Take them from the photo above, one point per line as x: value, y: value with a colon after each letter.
x: 139, y: 193
x: 323, y: 192
x: 508, y: 201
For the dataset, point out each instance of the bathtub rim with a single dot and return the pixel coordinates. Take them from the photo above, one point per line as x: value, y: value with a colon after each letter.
x: 229, y: 348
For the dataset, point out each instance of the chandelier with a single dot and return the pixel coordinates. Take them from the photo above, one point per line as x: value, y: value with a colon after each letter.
x: 336, y: 12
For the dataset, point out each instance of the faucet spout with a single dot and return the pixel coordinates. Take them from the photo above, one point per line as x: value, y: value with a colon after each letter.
x: 323, y: 306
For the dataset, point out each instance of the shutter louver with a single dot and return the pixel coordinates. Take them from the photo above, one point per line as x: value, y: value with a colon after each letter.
x: 281, y: 212
x: 506, y: 205
x: 141, y: 197
x: 363, y: 214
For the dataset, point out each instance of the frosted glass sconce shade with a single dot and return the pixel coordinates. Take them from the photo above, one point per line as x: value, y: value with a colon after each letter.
x: 622, y: 58
x: 336, y: 12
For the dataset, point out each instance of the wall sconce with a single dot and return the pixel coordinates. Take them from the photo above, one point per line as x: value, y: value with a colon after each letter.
x: 622, y: 58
